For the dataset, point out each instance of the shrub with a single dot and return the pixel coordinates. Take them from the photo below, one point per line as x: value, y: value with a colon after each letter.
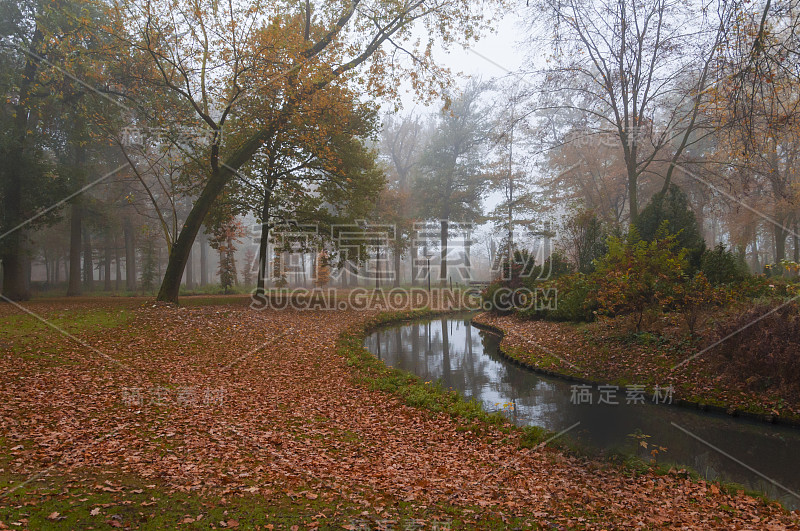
x: 721, y: 266
x: 585, y: 239
x: 672, y: 209
x: 761, y: 286
x: 492, y: 301
x: 521, y: 280
x: 695, y: 296
x: 637, y: 277
x: 765, y: 352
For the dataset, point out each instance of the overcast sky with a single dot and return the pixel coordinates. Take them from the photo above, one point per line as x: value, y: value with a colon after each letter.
x: 495, y: 55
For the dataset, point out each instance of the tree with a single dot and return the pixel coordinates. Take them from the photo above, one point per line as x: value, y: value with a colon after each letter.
x: 247, y: 268
x: 638, y: 71
x: 224, y: 240
x: 453, y: 175
x: 639, y: 277
x: 147, y: 246
x: 317, y: 169
x: 508, y: 173
x: 210, y: 55
x: 402, y: 142
x: 32, y: 31
x: 579, y: 169
x: 757, y: 111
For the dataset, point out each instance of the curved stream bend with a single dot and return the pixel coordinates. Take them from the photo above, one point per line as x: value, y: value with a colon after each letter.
x: 759, y: 456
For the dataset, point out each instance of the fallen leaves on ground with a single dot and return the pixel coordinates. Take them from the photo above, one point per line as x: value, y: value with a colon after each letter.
x: 240, y: 402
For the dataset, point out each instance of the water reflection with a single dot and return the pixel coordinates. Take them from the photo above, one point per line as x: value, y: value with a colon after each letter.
x: 465, y: 358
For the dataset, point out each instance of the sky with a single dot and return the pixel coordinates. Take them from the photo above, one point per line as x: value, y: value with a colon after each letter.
x: 495, y: 55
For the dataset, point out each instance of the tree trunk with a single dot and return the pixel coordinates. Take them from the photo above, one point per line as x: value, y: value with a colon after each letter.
x: 88, y: 265
x: 780, y: 242
x: 263, y: 244
x: 130, y: 256
x: 28, y: 264
x: 15, y: 285
x: 633, y: 195
x: 444, y: 237
x: 75, y: 229
x: 397, y: 255
x: 414, y: 258
x: 117, y: 266
x: 107, y: 258
x: 170, y: 286
x: 48, y: 269
x: 468, y: 257
x: 190, y: 270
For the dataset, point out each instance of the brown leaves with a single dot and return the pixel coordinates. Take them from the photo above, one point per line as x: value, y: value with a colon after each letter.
x: 294, y: 424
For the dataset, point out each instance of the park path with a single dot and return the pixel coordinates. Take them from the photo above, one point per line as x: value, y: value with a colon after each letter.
x: 228, y: 400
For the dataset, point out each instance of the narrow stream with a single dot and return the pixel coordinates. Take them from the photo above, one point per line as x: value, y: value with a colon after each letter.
x: 760, y: 456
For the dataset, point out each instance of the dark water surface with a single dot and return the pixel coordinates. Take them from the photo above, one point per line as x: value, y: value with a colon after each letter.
x: 761, y: 456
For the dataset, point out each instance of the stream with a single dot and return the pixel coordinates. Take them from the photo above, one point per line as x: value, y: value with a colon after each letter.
x: 763, y: 457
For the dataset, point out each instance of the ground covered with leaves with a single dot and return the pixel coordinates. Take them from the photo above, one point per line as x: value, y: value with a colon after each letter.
x: 607, y: 352
x: 213, y: 415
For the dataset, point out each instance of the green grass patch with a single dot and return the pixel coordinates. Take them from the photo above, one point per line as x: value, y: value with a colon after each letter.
x: 22, y: 332
x: 126, y: 502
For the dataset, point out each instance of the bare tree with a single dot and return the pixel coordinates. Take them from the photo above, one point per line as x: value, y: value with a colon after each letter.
x: 637, y: 70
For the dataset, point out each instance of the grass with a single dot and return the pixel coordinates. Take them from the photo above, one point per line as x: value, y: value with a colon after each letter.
x: 20, y: 332
x: 113, y: 501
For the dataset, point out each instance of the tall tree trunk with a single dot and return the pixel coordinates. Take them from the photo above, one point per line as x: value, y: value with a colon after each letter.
x: 28, y: 264
x: 263, y: 243
x: 14, y: 286
x: 780, y: 241
x: 75, y: 230
x: 397, y: 255
x: 117, y: 266
x: 414, y: 258
x: 633, y: 196
x: 170, y: 286
x: 445, y: 229
x: 107, y: 257
x: 12, y: 244
x: 468, y: 257
x: 756, y: 260
x: 190, y: 270
x: 88, y: 265
x: 130, y: 256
